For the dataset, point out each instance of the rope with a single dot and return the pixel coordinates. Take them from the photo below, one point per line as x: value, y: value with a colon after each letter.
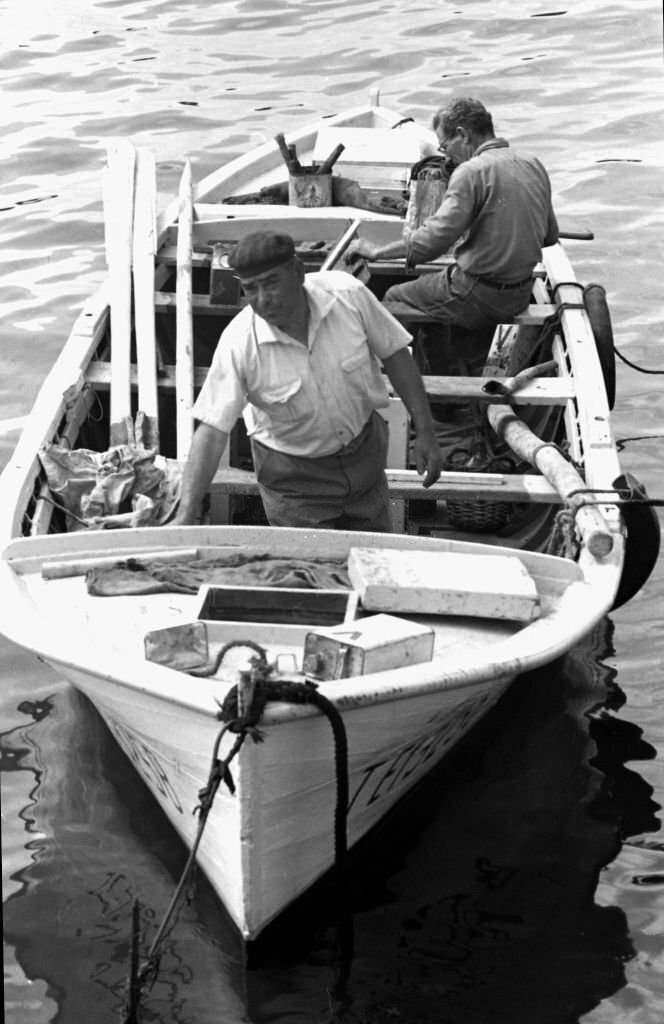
x: 622, y: 441
x: 562, y: 539
x: 241, y: 716
x: 566, y: 284
x: 626, y: 496
x: 147, y: 973
x: 634, y: 366
x: 581, y: 305
x: 265, y: 689
x: 61, y: 508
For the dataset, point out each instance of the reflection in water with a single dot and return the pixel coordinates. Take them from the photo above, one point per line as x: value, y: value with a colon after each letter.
x: 477, y: 903
x: 474, y: 903
x: 104, y: 844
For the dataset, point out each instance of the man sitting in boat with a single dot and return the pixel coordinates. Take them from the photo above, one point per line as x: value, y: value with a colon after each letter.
x: 301, y: 363
x: 497, y: 207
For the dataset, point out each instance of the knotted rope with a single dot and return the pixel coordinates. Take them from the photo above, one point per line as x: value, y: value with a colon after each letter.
x: 241, y: 712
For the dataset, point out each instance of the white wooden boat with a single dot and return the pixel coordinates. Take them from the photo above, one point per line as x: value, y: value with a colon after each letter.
x: 496, y: 604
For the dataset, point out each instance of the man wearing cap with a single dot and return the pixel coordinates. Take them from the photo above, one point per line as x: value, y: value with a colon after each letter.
x: 302, y: 364
x: 497, y: 208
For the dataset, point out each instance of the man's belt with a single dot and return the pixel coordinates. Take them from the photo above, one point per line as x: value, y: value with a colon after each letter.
x: 502, y: 286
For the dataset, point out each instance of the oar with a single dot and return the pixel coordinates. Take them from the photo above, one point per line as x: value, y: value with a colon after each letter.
x: 337, y: 251
x: 581, y: 236
x: 184, y: 345
x: 144, y: 245
x: 118, y: 195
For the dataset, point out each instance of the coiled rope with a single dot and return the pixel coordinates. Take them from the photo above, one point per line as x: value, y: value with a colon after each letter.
x: 241, y: 712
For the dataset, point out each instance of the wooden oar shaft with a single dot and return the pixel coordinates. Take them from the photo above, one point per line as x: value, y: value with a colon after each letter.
x: 119, y: 220
x: 144, y: 247
x: 184, y: 365
x: 581, y: 236
x: 339, y: 249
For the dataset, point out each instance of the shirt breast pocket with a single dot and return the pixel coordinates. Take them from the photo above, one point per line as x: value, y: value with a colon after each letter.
x: 353, y: 361
x: 285, y: 402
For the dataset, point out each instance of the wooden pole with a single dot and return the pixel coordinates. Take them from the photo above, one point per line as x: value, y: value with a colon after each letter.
x: 184, y: 345
x: 340, y: 247
x: 144, y: 248
x: 118, y: 195
x: 507, y: 352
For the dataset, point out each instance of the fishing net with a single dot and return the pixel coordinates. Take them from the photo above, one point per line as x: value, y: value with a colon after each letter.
x: 244, y: 568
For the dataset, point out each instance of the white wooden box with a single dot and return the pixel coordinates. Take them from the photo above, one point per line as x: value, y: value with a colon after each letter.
x: 443, y: 583
x: 372, y: 644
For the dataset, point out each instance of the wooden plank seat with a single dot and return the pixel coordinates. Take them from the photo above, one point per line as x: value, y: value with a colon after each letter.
x: 407, y: 484
x: 538, y: 391
x: 316, y: 251
x: 535, y: 314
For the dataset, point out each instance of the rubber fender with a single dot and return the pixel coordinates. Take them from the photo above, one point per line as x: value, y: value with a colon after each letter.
x: 643, y: 538
x: 597, y: 308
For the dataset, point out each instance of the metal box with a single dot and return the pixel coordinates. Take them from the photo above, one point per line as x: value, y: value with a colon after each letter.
x: 372, y: 644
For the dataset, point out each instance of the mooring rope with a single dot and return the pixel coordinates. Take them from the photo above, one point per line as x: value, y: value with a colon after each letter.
x: 241, y: 712
x: 562, y: 539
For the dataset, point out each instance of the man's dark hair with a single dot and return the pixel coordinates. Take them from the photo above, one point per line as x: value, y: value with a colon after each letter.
x: 463, y: 113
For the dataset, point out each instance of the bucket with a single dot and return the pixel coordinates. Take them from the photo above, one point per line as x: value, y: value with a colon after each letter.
x: 310, y: 189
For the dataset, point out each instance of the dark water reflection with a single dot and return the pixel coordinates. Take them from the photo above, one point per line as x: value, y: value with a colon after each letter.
x: 475, y: 903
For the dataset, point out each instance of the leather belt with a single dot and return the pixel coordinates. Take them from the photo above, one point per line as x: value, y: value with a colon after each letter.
x: 502, y: 286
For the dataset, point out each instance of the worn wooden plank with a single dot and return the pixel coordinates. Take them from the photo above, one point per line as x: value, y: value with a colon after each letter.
x: 118, y: 198
x: 59, y: 570
x: 536, y: 313
x: 184, y: 366
x: 543, y: 391
x: 98, y: 374
x: 144, y: 245
x: 406, y: 483
x: 200, y: 304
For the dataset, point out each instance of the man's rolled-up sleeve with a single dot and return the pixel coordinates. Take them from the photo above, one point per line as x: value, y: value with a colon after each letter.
x: 223, y: 395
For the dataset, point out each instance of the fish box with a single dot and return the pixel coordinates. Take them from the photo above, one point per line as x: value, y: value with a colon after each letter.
x: 372, y: 644
x: 443, y: 583
x: 277, y: 604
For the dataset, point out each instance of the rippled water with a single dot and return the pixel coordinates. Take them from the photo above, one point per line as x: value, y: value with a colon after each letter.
x: 526, y: 885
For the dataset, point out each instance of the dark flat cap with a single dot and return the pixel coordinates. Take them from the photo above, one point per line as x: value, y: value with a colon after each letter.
x: 260, y: 251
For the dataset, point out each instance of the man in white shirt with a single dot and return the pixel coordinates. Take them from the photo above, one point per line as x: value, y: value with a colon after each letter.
x: 302, y: 364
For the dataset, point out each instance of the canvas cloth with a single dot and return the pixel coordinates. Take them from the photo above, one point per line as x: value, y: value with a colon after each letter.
x: 96, y: 486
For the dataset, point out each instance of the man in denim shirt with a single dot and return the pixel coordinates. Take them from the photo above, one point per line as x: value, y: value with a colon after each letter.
x: 498, y: 210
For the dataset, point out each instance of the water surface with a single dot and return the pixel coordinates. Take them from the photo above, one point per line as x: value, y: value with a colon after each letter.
x: 526, y: 882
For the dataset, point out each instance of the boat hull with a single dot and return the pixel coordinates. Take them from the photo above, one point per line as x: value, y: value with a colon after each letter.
x: 268, y: 841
